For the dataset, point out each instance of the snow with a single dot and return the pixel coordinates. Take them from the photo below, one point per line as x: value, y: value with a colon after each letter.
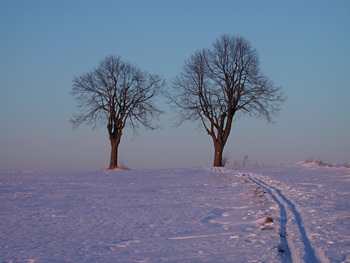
x: 286, y: 213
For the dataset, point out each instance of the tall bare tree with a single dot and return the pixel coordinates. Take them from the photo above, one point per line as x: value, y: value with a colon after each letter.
x: 217, y: 83
x: 116, y: 93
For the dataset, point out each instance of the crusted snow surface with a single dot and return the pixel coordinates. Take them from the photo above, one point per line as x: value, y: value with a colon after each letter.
x: 289, y: 213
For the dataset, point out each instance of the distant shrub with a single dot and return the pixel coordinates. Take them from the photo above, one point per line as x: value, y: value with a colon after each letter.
x: 244, y: 162
x: 226, y: 159
x: 312, y: 160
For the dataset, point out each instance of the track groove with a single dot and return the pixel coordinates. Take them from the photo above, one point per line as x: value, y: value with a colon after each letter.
x: 287, y: 206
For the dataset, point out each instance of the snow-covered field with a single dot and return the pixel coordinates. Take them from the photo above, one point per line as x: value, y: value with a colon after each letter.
x: 287, y: 213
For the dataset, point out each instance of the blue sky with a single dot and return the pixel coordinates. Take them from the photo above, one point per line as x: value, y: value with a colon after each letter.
x: 304, y: 46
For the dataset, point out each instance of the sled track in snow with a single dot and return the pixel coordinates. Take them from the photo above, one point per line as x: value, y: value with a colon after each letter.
x: 286, y: 247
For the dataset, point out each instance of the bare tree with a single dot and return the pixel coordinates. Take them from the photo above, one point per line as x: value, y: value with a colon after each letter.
x: 217, y: 83
x: 116, y: 93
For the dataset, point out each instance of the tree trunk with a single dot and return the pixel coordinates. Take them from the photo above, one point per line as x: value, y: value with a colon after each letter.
x: 113, y: 163
x: 218, y: 148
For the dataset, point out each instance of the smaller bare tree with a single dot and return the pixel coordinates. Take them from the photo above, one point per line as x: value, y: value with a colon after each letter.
x: 116, y: 93
x: 216, y: 84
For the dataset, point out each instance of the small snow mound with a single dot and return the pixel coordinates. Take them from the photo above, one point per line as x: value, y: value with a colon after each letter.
x: 313, y: 163
x: 115, y: 169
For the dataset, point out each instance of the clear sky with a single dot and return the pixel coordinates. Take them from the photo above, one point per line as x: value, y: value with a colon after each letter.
x: 304, y: 46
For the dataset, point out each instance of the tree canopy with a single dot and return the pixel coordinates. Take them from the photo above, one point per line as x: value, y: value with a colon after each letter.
x: 217, y: 83
x: 116, y: 93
